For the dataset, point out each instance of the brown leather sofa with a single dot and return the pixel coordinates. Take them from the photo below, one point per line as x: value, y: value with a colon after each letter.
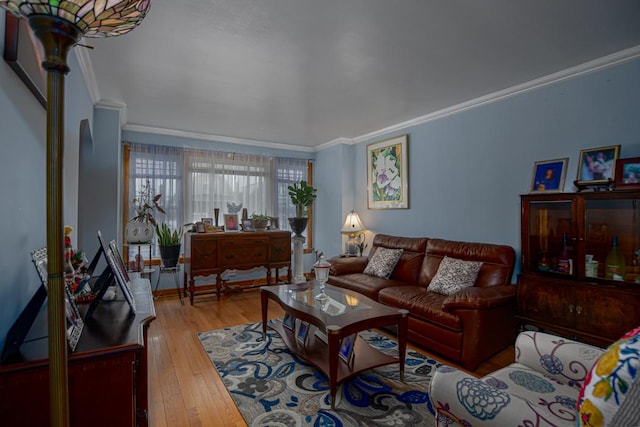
x: 466, y: 327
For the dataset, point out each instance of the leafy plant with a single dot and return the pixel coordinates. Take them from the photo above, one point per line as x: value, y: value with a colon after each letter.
x: 302, y: 195
x: 260, y: 216
x: 168, y: 237
x: 144, y: 205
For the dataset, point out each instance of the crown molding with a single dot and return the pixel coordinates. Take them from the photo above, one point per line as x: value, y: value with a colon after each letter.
x: 86, y: 68
x: 551, y: 79
x: 215, y: 138
x: 337, y: 141
x: 120, y: 107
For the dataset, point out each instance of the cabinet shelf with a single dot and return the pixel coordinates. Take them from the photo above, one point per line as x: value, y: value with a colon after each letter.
x: 582, y: 304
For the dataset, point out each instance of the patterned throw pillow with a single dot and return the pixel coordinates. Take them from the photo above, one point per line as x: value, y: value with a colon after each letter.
x: 383, y: 262
x: 611, y: 391
x: 453, y: 275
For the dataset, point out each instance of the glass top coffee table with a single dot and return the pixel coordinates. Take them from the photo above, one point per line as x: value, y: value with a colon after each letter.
x: 341, y: 315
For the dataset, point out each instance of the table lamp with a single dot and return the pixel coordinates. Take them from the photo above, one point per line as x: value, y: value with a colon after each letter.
x: 355, y: 229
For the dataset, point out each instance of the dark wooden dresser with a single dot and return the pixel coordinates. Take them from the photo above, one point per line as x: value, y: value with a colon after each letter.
x: 207, y: 254
x: 107, y: 372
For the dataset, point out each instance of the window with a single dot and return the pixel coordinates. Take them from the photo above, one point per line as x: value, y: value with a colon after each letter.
x: 195, y: 182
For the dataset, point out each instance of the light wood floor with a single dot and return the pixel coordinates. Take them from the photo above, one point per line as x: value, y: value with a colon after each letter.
x: 184, y: 387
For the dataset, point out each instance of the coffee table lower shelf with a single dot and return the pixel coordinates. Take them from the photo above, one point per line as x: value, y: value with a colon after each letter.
x: 316, y: 352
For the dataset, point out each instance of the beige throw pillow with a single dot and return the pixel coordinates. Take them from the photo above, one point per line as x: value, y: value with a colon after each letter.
x: 453, y: 275
x: 383, y: 262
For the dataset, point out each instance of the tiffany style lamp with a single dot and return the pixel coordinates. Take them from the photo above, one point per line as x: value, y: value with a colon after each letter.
x: 59, y: 25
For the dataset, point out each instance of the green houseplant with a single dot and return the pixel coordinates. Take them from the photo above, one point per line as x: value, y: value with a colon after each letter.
x: 302, y: 196
x: 260, y: 222
x: 139, y: 229
x: 169, y: 242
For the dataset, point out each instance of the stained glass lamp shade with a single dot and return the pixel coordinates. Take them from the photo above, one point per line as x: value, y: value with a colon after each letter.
x: 59, y: 25
x: 101, y: 18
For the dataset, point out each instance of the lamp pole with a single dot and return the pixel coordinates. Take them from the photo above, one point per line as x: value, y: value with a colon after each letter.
x: 57, y: 37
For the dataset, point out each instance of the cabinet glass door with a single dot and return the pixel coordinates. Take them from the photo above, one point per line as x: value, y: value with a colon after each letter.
x: 551, y: 233
x: 612, y: 239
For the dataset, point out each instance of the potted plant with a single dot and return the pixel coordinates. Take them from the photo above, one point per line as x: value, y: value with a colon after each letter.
x: 169, y: 242
x: 139, y: 229
x: 260, y: 222
x: 302, y: 196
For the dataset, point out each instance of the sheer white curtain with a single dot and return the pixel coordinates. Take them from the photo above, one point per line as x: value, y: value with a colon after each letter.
x: 161, y: 166
x: 193, y: 183
x: 287, y: 171
x: 217, y: 180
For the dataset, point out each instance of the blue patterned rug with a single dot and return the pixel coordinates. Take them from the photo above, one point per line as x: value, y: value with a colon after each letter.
x: 272, y: 387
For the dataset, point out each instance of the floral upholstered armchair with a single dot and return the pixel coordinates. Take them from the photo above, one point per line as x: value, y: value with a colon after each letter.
x: 553, y: 382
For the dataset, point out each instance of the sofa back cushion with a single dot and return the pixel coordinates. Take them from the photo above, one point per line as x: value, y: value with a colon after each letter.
x: 498, y: 261
x: 413, y: 250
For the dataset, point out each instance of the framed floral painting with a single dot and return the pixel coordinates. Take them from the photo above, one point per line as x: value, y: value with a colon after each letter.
x: 387, y: 174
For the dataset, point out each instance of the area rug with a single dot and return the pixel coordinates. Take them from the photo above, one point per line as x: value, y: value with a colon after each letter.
x: 273, y: 387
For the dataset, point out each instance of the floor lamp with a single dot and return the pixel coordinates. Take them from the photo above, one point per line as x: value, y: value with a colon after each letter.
x: 59, y: 25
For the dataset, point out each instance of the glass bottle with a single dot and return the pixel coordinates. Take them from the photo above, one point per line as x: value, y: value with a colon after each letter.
x: 615, y: 265
x: 564, y: 261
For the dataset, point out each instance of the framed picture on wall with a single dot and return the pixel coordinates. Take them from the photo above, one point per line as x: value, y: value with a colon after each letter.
x: 597, y: 165
x: 549, y: 175
x: 387, y: 174
x: 24, y: 55
x: 628, y: 173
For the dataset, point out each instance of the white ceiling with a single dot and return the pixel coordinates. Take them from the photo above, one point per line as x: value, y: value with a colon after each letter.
x: 306, y: 72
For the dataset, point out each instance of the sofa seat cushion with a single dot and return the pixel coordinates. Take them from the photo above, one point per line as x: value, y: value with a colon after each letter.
x: 550, y: 399
x: 420, y: 303
x: 364, y: 284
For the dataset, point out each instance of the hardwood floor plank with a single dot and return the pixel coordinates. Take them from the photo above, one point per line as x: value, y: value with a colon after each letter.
x: 185, y: 389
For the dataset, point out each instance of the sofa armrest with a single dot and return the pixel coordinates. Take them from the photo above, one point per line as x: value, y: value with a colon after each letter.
x: 560, y: 358
x: 461, y: 399
x: 481, y: 298
x: 347, y: 265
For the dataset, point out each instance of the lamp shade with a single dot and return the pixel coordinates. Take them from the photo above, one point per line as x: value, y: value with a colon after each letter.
x: 94, y: 18
x: 352, y: 224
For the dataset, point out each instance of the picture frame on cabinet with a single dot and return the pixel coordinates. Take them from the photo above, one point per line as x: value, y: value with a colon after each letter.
x: 387, y: 174
x: 231, y: 222
x: 549, y: 176
x: 201, y: 227
x: 628, y: 173
x: 597, y: 165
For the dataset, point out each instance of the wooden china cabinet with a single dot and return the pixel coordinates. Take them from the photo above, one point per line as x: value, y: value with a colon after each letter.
x: 563, y: 287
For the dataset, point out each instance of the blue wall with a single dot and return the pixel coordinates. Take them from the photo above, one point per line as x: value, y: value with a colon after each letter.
x: 467, y: 170
x: 22, y: 180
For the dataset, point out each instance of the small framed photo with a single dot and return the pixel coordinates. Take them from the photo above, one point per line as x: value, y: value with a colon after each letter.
x: 597, y: 165
x: 288, y: 321
x: 346, y: 348
x: 628, y: 173
x: 303, y: 331
x: 333, y: 307
x: 247, y: 225
x: 231, y: 222
x: 207, y: 221
x: 549, y: 175
x: 201, y: 227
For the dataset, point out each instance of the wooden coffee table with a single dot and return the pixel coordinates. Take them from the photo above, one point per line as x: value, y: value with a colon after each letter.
x: 344, y: 313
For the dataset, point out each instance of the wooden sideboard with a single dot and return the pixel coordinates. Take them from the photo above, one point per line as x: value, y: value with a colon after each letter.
x: 209, y: 254
x: 108, y: 379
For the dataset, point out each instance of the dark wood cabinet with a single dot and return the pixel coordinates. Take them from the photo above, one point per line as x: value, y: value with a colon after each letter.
x: 209, y: 254
x: 578, y: 300
x: 108, y: 380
